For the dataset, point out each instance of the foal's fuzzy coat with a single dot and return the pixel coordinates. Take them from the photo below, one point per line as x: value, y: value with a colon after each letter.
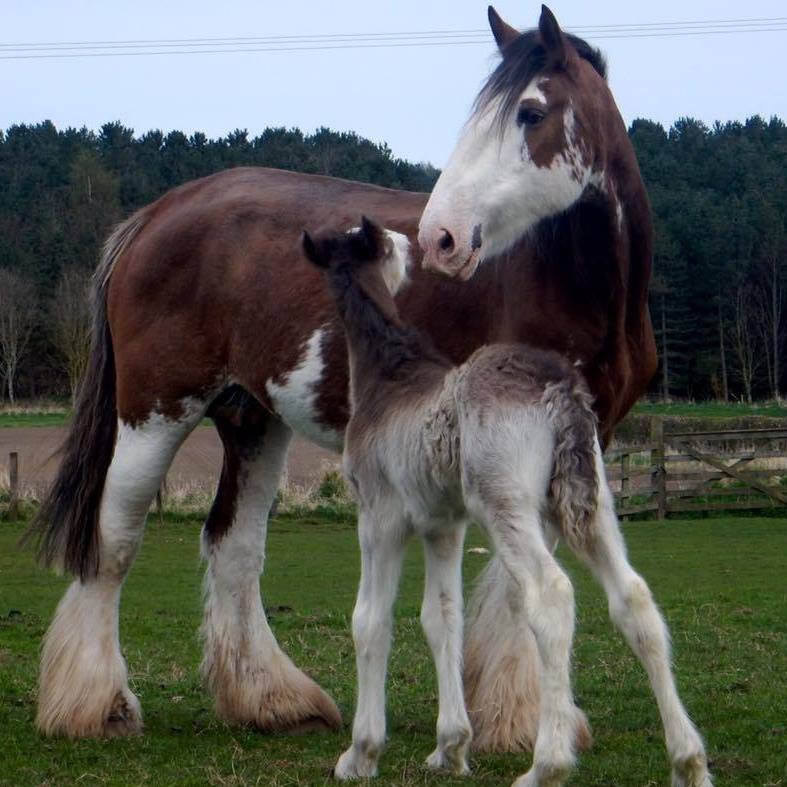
x: 508, y: 438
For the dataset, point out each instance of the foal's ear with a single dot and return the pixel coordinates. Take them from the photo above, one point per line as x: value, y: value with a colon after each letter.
x: 503, y: 32
x: 373, y: 237
x: 552, y: 37
x: 314, y: 254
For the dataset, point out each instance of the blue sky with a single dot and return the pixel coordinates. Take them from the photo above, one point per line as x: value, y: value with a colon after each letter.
x: 415, y: 99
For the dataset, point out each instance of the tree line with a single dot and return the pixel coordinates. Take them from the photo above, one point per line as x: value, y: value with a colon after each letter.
x: 719, y: 198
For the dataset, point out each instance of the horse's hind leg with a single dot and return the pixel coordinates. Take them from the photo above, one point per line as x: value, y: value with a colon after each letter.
x: 83, y: 688
x: 252, y: 680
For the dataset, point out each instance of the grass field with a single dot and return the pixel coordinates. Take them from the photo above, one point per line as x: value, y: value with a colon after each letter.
x: 711, y: 409
x: 57, y: 415
x: 17, y: 418
x: 721, y: 584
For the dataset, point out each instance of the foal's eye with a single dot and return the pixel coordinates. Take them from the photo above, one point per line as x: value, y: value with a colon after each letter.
x: 529, y: 116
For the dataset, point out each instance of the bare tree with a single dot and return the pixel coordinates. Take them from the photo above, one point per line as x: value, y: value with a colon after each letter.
x: 71, y: 324
x: 769, y: 316
x: 725, y: 388
x: 18, y: 313
x: 660, y: 290
x: 745, y: 336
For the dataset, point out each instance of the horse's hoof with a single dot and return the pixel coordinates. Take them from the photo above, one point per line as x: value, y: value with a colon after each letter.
x: 124, y: 717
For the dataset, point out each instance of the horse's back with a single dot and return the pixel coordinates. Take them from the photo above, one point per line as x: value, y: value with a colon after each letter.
x: 213, y: 288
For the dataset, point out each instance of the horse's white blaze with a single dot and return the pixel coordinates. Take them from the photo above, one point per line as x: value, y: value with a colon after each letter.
x: 83, y: 687
x: 397, y: 263
x: 492, y: 183
x: 294, y: 396
x: 534, y: 91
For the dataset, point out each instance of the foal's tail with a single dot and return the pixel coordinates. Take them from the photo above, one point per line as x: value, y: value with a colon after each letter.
x: 66, y: 524
x: 574, y: 485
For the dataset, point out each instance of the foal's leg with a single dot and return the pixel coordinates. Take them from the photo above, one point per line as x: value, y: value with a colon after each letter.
x: 549, y: 606
x: 252, y: 680
x: 633, y: 611
x: 83, y: 688
x: 441, y: 617
x: 382, y: 551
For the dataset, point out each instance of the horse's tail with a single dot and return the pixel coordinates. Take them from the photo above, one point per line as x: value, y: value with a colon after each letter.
x: 501, y: 665
x: 574, y: 484
x: 66, y: 524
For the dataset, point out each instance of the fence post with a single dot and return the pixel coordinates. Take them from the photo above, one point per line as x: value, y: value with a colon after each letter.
x: 658, y: 467
x: 624, y: 481
x: 13, y: 479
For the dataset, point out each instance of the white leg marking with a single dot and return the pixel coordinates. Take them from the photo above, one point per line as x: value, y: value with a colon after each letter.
x: 83, y: 689
x: 251, y: 678
x: 502, y: 665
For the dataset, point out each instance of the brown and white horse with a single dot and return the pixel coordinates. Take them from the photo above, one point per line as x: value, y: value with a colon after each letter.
x: 193, y: 318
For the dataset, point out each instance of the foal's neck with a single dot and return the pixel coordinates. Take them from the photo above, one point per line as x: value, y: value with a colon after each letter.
x: 382, y: 349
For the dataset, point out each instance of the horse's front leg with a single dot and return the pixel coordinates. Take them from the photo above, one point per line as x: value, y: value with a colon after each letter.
x: 441, y: 618
x: 253, y: 682
x: 382, y: 552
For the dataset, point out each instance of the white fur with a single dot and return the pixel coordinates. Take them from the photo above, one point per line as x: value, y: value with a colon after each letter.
x: 491, y: 181
x: 252, y: 679
x: 535, y: 91
x: 397, y: 264
x: 294, y: 395
x: 83, y: 690
x: 425, y: 470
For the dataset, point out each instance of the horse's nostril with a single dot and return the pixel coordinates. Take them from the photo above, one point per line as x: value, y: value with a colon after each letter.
x: 446, y: 242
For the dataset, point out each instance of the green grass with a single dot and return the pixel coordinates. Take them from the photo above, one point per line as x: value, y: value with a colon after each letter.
x: 20, y: 418
x: 49, y: 418
x: 54, y: 417
x: 721, y: 584
x: 711, y: 409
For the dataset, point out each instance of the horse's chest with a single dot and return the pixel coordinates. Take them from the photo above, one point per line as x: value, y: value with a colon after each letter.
x: 296, y: 394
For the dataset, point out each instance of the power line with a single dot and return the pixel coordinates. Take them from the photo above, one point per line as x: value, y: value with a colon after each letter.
x: 401, y: 33
x: 377, y: 40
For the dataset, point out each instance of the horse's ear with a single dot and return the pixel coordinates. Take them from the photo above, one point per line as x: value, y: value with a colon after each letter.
x: 374, y: 237
x: 313, y: 254
x: 552, y: 37
x: 503, y: 32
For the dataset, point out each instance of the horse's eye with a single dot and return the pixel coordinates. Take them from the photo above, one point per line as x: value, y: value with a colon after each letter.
x: 528, y: 116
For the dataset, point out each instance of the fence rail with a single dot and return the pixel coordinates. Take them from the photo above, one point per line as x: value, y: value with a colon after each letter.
x: 677, y: 472
x: 674, y: 472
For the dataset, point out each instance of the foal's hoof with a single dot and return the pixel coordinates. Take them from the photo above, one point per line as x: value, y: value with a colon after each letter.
x: 453, y: 762
x: 352, y: 765
x: 124, y: 718
x: 691, y: 772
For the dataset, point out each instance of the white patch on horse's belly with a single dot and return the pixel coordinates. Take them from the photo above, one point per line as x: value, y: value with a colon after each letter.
x: 294, y: 396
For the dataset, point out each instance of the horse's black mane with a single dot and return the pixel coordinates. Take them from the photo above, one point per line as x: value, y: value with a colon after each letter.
x: 524, y: 58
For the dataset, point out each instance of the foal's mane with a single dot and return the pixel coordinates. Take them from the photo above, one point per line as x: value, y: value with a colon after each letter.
x: 524, y: 58
x: 371, y: 318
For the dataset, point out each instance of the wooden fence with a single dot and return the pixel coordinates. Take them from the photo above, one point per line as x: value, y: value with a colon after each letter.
x: 678, y: 472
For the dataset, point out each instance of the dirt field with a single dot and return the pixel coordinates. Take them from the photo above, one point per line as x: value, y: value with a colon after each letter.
x: 196, y: 465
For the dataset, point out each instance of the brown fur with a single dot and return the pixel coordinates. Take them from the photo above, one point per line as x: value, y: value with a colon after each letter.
x: 192, y: 299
